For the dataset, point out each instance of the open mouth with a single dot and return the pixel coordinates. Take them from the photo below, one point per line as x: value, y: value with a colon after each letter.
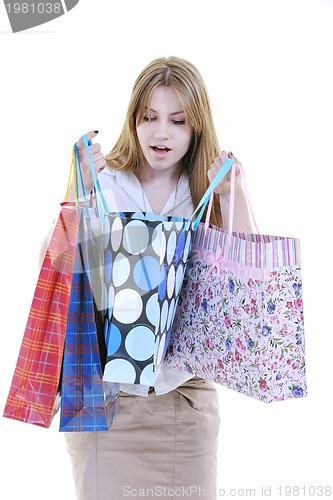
x: 160, y: 148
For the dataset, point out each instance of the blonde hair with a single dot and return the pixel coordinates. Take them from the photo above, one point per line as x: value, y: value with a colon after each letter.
x: 184, y: 78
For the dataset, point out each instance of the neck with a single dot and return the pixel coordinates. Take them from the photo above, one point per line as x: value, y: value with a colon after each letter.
x: 158, y: 190
x: 149, y: 175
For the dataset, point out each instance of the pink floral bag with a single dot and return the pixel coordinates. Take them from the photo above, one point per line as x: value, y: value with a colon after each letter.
x: 239, y: 320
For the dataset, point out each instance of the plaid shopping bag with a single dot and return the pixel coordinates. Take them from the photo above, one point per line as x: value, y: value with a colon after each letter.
x: 87, y: 404
x: 240, y: 320
x: 33, y: 392
x: 83, y: 403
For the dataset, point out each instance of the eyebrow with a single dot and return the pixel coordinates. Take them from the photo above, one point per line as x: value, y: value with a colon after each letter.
x: 171, y: 114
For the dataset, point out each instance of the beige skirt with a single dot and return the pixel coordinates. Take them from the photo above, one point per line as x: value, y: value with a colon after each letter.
x: 158, y: 447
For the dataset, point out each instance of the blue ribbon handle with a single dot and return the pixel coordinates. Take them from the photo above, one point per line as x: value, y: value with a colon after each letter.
x: 79, y: 176
x: 102, y: 205
x: 226, y: 166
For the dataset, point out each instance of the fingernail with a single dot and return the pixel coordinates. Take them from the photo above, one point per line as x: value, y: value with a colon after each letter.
x: 96, y: 131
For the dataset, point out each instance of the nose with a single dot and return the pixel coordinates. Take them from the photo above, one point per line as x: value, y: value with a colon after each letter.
x: 162, y: 130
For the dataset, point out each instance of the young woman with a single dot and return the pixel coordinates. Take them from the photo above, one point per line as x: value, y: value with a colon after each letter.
x: 163, y: 443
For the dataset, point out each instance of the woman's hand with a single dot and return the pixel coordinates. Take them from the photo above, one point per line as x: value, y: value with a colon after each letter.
x: 223, y: 188
x: 242, y: 221
x: 97, y: 157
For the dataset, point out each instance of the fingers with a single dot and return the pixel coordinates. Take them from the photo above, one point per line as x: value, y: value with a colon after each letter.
x: 99, y: 162
x: 95, y: 152
x: 237, y: 162
x: 94, y: 149
x: 90, y: 136
x: 222, y: 158
x: 210, y: 175
x: 217, y: 164
x: 223, y: 188
x: 96, y: 156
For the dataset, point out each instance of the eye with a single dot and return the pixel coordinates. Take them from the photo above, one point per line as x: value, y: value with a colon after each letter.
x: 148, y: 118
x: 178, y: 122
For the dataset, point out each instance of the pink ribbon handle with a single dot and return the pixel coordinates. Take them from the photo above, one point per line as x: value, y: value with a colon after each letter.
x: 232, y: 200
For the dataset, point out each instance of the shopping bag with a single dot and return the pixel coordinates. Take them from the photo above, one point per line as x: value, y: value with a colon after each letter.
x: 145, y: 258
x: 145, y: 261
x: 240, y: 320
x: 86, y: 405
x: 33, y: 392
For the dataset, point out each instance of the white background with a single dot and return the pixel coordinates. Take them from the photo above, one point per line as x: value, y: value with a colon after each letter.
x: 267, y: 65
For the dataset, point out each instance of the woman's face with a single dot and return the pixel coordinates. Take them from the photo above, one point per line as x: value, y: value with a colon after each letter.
x: 165, y: 134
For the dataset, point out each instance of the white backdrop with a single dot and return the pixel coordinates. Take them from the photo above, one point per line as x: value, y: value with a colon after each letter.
x: 267, y: 66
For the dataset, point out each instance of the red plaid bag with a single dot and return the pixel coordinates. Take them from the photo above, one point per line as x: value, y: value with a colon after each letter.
x: 33, y: 392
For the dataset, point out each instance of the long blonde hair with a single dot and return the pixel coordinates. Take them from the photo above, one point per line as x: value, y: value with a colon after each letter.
x: 184, y: 78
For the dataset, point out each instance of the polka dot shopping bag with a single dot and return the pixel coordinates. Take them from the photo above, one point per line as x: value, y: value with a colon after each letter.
x: 145, y: 262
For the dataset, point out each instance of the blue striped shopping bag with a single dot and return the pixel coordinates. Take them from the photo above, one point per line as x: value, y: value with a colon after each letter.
x: 86, y: 403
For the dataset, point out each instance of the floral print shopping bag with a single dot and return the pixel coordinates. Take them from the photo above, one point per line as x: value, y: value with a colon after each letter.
x: 240, y: 319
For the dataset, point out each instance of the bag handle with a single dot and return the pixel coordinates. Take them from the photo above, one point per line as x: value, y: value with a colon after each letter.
x: 207, y: 198
x: 75, y: 169
x: 232, y: 200
x: 247, y: 197
x: 226, y: 166
x: 76, y: 173
x: 101, y: 203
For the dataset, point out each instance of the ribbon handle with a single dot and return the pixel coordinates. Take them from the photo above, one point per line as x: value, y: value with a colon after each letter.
x: 232, y: 201
x: 76, y: 172
x: 247, y: 196
x: 226, y: 166
x: 101, y: 203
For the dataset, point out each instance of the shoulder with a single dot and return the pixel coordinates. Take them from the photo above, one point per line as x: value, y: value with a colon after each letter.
x: 120, y: 182
x: 113, y: 177
x: 106, y: 173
